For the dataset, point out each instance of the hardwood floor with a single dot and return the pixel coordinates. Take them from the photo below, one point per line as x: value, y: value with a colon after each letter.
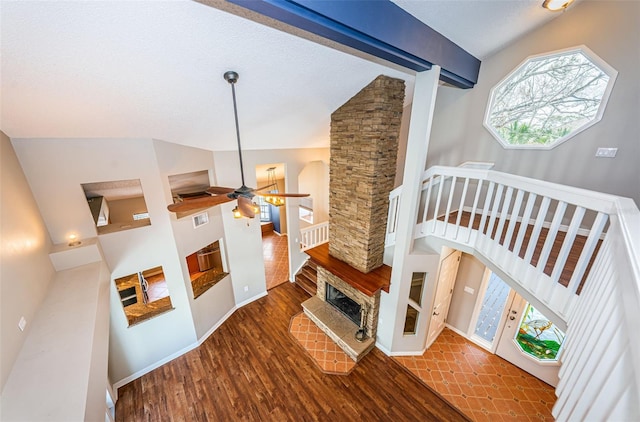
x: 251, y: 369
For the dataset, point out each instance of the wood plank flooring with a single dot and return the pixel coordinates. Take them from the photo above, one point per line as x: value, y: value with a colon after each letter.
x: 251, y: 369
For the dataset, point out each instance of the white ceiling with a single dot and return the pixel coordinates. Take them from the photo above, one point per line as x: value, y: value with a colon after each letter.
x: 153, y: 69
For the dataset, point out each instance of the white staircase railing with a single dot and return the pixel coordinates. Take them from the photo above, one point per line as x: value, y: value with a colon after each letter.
x: 516, y: 223
x: 530, y: 229
x: 313, y: 236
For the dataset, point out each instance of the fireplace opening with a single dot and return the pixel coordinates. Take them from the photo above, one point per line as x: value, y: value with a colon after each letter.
x: 343, y: 303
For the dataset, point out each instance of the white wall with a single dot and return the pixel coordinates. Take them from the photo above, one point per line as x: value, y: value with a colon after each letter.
x: 55, y: 169
x: 413, y: 343
x: 25, y: 269
x: 612, y: 30
x: 61, y: 372
x: 215, y: 303
x: 244, y: 240
x: 314, y: 180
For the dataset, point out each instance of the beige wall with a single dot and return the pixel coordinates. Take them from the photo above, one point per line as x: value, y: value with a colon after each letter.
x: 122, y: 210
x: 610, y: 29
x: 470, y: 273
x: 314, y: 180
x: 25, y: 268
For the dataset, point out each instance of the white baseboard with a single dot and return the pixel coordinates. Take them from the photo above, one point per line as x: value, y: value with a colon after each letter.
x: 399, y: 353
x: 383, y: 349
x: 251, y: 299
x: 216, y: 326
x: 455, y: 330
x: 184, y: 350
x: 153, y: 366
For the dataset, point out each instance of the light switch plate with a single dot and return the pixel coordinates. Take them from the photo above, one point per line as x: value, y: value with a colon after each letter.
x: 469, y: 290
x: 22, y: 323
x: 606, y: 152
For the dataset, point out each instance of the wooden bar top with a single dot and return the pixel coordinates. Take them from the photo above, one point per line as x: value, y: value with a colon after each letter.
x: 368, y: 283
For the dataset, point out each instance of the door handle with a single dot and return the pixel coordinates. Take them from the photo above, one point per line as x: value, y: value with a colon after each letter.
x: 512, y: 318
x: 436, y: 313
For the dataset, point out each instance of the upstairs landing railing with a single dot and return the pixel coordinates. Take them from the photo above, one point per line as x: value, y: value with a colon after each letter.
x: 543, y: 235
x: 313, y: 236
x: 575, y: 250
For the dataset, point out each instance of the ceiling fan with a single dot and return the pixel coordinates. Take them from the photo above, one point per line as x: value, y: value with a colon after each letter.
x: 219, y: 194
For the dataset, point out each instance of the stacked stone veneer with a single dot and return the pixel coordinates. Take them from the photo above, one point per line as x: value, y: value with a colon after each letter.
x: 364, y: 146
x: 371, y: 303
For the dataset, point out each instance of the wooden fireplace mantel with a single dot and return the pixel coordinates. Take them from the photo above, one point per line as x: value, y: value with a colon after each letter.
x: 368, y: 283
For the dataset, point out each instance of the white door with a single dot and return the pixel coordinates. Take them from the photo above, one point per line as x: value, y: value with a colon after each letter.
x: 444, y: 291
x: 530, y: 341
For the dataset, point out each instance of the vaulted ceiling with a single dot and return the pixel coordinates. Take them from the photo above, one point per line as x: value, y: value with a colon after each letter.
x: 105, y: 69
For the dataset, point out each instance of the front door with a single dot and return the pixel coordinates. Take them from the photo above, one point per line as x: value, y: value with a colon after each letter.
x: 530, y: 341
x: 444, y: 292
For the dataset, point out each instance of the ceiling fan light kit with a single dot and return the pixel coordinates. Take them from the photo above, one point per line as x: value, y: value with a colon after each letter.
x: 243, y: 195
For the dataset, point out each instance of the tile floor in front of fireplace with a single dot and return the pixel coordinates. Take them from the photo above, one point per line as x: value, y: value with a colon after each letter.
x: 324, y: 351
x: 482, y: 385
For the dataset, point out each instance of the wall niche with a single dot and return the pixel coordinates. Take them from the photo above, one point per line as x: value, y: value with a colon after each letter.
x: 187, y: 186
x: 144, y: 294
x: 117, y: 205
x: 206, y: 268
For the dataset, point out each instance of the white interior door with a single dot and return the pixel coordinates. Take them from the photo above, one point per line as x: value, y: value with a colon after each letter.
x: 530, y: 341
x: 444, y: 292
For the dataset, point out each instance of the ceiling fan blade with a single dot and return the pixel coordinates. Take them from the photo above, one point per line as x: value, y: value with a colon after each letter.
x: 219, y: 190
x: 198, y: 203
x: 245, y: 205
x: 284, y: 195
x: 263, y: 187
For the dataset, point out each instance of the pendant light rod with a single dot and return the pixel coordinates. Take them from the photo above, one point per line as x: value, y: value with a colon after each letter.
x: 232, y: 78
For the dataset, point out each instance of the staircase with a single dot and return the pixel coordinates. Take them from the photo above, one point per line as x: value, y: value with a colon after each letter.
x: 307, y: 278
x: 574, y: 253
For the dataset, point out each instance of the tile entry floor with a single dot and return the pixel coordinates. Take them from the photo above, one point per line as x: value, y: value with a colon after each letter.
x: 276, y: 259
x: 482, y: 385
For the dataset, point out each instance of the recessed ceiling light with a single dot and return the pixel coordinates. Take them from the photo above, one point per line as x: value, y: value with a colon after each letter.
x: 556, y: 5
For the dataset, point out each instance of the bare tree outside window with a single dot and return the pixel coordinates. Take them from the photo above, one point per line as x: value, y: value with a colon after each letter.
x: 547, y: 99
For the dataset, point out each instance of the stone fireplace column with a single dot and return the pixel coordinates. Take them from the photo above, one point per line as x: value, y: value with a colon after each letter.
x: 364, y: 146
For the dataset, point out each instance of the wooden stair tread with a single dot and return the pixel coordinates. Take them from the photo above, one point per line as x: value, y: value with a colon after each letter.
x: 306, y: 285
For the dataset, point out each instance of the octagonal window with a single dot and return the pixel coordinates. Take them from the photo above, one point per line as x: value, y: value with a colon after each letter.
x: 549, y: 98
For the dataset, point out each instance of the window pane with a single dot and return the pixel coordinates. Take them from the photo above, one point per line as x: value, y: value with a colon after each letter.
x: 547, y: 99
x: 265, y: 211
x: 417, y: 283
x: 538, y: 336
x: 493, y: 303
x: 411, y: 320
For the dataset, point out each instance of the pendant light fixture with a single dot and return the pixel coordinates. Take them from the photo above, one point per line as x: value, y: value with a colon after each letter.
x: 277, y: 201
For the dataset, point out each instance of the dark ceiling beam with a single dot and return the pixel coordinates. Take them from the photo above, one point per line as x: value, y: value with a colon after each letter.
x: 376, y: 27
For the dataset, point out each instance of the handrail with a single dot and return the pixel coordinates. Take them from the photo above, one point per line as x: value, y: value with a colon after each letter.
x: 503, y: 202
x: 313, y: 236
